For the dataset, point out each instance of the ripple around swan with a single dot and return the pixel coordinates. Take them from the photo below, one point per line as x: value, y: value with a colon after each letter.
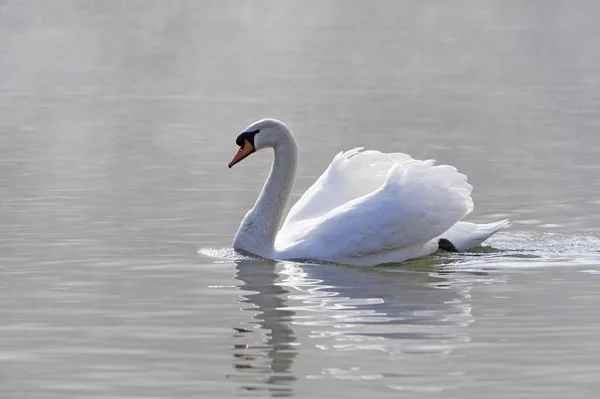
x: 225, y: 254
x: 511, y: 250
x: 533, y: 249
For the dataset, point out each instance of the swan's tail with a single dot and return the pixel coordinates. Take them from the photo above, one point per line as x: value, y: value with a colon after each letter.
x: 465, y: 235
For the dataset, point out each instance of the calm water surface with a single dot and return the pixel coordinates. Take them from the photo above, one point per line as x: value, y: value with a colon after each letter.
x: 117, y: 121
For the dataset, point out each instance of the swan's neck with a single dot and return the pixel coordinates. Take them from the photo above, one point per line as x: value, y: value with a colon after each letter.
x: 259, y: 228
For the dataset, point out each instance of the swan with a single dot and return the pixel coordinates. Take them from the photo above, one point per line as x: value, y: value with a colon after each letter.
x: 367, y: 208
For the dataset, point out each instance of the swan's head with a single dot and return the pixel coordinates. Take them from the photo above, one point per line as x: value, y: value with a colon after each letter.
x: 262, y: 134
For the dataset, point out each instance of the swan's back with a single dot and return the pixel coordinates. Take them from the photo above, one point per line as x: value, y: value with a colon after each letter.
x: 368, y: 203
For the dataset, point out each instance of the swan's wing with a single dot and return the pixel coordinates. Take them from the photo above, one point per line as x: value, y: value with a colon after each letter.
x: 416, y: 203
x: 351, y: 174
x: 465, y: 235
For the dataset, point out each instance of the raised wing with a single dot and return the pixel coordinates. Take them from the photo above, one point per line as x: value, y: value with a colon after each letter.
x: 351, y: 174
x: 416, y: 203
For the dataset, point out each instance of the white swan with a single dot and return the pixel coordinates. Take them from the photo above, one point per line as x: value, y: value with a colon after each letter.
x: 366, y: 209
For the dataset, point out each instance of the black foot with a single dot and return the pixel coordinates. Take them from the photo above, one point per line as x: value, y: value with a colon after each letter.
x: 446, y: 245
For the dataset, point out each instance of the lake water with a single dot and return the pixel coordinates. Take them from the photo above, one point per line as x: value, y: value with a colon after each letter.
x: 117, y: 209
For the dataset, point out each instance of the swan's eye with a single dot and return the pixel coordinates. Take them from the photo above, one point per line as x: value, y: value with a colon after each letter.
x: 246, y: 136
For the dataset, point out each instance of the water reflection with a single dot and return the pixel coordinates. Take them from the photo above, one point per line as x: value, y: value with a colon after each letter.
x: 267, y: 345
x: 370, y: 301
x: 418, y: 311
x: 410, y: 318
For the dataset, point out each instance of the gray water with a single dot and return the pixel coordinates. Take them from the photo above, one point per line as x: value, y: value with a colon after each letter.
x: 117, y: 209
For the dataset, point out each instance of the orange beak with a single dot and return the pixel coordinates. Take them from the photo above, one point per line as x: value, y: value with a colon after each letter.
x: 244, y: 151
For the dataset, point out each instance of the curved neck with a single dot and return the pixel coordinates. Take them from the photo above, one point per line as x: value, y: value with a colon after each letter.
x: 260, y: 226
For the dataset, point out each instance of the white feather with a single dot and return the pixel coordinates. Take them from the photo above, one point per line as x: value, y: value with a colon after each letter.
x: 368, y: 203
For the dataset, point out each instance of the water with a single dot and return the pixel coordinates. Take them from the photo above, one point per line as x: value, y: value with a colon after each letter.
x: 117, y: 121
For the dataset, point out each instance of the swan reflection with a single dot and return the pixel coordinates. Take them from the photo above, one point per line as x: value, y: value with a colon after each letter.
x: 413, y: 313
x: 267, y: 345
x: 360, y: 308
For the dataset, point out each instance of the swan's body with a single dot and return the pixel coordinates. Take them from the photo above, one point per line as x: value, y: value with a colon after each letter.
x: 367, y: 208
